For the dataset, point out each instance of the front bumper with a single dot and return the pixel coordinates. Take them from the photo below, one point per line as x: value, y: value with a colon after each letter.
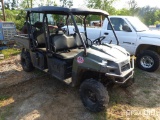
x: 121, y: 79
x: 126, y: 75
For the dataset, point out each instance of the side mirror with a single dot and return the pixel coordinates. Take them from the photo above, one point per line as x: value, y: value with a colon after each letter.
x: 126, y: 28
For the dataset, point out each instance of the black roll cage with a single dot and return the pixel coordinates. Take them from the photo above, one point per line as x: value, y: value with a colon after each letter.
x: 63, y: 11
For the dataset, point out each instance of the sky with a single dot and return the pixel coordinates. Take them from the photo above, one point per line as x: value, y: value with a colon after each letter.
x: 123, y: 3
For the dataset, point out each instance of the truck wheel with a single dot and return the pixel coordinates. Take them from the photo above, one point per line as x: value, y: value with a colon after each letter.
x: 26, y: 61
x: 94, y: 95
x: 128, y: 83
x: 148, y: 61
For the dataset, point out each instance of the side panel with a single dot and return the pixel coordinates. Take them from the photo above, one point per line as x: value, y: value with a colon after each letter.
x: 59, y: 68
x: 81, y: 64
x: 39, y: 60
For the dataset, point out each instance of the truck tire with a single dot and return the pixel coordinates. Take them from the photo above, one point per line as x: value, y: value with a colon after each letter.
x: 148, y: 60
x: 128, y: 83
x: 26, y: 61
x: 94, y: 95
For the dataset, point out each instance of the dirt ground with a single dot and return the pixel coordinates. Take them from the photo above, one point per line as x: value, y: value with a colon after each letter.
x: 37, y: 96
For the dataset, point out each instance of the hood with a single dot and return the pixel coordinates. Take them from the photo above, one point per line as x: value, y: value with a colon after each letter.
x: 109, y: 52
x: 149, y: 33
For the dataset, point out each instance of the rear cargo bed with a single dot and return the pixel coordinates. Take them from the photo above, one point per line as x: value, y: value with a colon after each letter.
x: 22, y: 40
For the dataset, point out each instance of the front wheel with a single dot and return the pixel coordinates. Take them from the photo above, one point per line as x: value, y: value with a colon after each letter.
x: 148, y: 60
x: 94, y: 95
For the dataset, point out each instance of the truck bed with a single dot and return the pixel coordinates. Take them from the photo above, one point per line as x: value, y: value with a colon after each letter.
x: 22, y: 40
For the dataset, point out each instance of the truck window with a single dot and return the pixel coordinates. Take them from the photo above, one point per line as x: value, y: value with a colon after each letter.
x: 117, y: 23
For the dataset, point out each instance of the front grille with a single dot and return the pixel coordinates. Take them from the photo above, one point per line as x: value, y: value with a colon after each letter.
x: 125, y: 67
x: 9, y: 33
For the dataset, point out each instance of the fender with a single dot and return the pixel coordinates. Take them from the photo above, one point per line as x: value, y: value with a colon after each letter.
x: 147, y: 42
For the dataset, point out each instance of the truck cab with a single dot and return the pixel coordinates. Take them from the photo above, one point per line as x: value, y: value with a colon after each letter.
x: 135, y: 37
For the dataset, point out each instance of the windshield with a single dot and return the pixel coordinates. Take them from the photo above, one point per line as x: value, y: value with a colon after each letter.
x: 137, y: 24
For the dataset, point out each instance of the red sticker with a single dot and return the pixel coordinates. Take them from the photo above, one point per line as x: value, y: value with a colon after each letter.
x: 80, y: 59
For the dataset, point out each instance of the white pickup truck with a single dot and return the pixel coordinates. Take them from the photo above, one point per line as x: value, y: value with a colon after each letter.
x: 134, y: 36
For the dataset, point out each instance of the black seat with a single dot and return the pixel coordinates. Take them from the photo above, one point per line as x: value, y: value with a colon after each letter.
x: 62, y: 42
x: 68, y: 54
x: 65, y: 47
x: 78, y: 40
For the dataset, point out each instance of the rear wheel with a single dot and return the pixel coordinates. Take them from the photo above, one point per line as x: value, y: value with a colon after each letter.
x: 94, y: 95
x: 26, y: 61
x: 148, y: 60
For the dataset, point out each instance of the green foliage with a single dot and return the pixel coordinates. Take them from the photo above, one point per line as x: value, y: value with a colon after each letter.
x: 16, y: 16
x: 157, y: 22
x: 157, y: 15
x: 149, y: 15
x: 123, y: 11
x: 103, y: 5
x: 66, y: 3
x: 13, y: 4
x: 2, y: 98
x: 9, y: 52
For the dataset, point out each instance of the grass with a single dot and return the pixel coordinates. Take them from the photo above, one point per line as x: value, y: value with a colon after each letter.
x: 142, y: 95
x: 5, y: 111
x: 10, y: 52
x: 2, y: 98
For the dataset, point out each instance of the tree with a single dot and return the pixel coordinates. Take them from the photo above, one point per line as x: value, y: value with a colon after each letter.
x: 123, y: 11
x: 13, y: 4
x: 66, y: 3
x: 47, y: 3
x: 157, y: 15
x: 102, y: 4
x: 148, y: 15
x: 133, y: 7
x: 7, y: 5
x: 26, y: 4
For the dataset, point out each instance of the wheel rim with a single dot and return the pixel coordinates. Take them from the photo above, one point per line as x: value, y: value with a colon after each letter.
x: 90, y: 96
x: 147, y: 61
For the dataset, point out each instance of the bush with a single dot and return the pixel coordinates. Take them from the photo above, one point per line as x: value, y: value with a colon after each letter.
x: 157, y: 22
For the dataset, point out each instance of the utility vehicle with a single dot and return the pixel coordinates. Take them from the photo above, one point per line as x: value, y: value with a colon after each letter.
x: 73, y: 58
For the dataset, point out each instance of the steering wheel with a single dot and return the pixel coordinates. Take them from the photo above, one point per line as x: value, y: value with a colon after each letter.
x: 99, y: 40
x: 91, y: 42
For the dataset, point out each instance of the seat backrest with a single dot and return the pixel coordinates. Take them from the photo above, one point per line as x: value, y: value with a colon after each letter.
x: 78, y: 40
x: 63, y: 42
x: 41, y: 40
x: 39, y: 34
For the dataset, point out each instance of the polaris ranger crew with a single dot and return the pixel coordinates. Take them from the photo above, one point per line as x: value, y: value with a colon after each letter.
x: 73, y: 58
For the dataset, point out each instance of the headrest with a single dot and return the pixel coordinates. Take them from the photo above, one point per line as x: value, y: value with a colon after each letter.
x: 39, y: 25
